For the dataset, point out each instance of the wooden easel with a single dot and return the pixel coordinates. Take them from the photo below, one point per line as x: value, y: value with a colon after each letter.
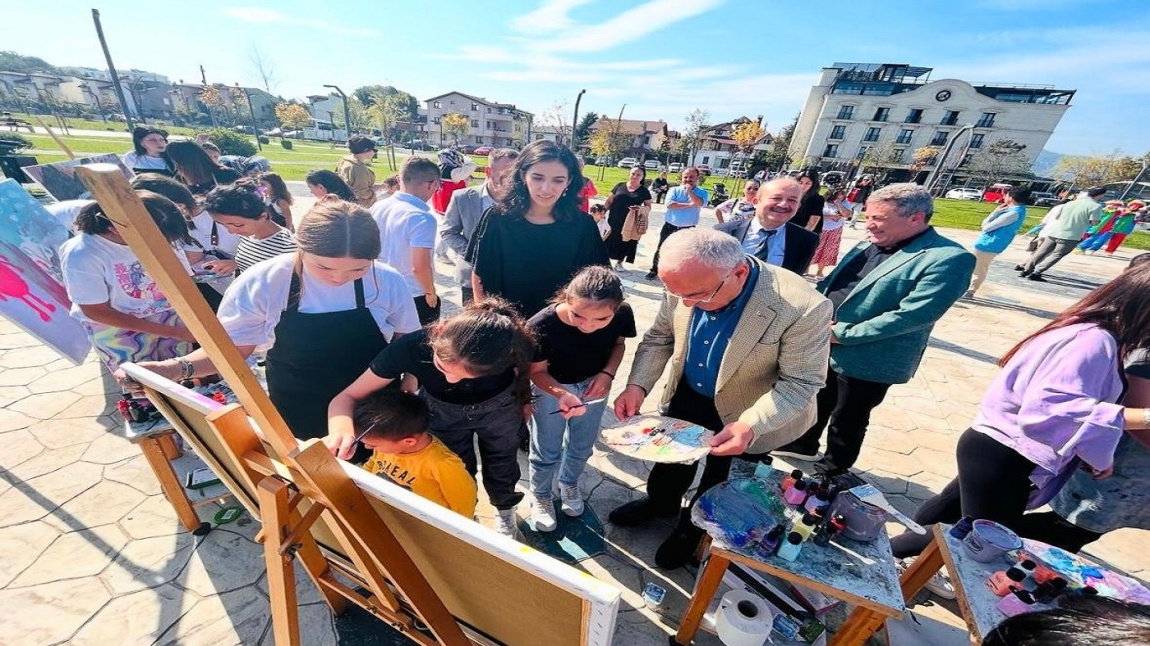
x: 315, y: 485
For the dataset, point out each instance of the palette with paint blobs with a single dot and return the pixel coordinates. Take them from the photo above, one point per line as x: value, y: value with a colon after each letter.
x: 654, y: 438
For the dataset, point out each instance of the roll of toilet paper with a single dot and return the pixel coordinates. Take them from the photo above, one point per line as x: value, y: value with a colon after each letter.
x: 743, y: 619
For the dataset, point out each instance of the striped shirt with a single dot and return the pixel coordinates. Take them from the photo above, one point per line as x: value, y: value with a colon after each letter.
x: 251, y: 250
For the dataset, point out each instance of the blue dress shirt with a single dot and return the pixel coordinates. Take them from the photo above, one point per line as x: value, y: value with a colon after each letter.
x: 709, y: 333
x: 776, y: 240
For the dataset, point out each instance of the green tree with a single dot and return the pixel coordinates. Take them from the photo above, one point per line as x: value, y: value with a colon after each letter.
x: 780, y: 156
x: 608, y: 140
x: 385, y: 112
x: 13, y: 62
x: 292, y: 116
x: 407, y: 104
x: 455, y: 125
x: 231, y: 142
x: 583, y: 129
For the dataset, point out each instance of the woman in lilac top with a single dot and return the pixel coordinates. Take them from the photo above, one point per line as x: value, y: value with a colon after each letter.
x: 1053, y: 409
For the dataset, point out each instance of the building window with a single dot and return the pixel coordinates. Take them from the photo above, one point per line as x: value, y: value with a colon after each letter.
x: 647, y: 140
x: 437, y: 104
x: 474, y: 123
x: 898, y: 156
x: 986, y: 121
x: 862, y: 152
x: 475, y: 107
x: 939, y: 138
x: 488, y: 110
x: 435, y: 120
x: 479, y: 140
x: 453, y: 102
x: 904, y: 136
x: 832, y: 151
x: 837, y: 132
x: 950, y: 119
x: 872, y: 134
x: 881, y: 114
x: 914, y: 116
x: 846, y: 112
x: 976, y: 141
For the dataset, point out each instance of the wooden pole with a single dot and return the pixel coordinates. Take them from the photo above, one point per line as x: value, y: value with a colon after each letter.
x: 112, y: 69
x: 59, y: 142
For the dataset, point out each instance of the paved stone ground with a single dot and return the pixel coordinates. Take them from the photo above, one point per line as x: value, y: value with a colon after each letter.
x: 93, y: 554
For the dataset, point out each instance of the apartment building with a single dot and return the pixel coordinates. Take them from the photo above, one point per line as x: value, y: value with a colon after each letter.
x: 490, y: 123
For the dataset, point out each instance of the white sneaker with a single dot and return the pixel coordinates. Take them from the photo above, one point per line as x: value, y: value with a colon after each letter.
x: 505, y: 523
x: 543, y: 514
x: 572, y: 499
x: 939, y: 584
x: 619, y: 266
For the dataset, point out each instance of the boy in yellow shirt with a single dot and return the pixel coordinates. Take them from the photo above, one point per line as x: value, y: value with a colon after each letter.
x: 394, y: 425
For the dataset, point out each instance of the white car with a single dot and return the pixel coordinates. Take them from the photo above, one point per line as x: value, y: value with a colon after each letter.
x: 675, y: 167
x: 964, y: 193
x: 628, y: 162
x: 652, y: 164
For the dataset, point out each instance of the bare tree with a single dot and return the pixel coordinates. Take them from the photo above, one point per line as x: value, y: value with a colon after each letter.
x: 696, y: 123
x: 264, y: 68
x: 556, y: 117
x: 1002, y: 158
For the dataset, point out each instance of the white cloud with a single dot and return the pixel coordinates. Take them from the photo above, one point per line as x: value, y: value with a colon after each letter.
x: 550, y: 17
x: 631, y: 25
x: 260, y: 15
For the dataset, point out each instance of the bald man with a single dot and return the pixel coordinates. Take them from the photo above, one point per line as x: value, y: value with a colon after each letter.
x: 769, y: 236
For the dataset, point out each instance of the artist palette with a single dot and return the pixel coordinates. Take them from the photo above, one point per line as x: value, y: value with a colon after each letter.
x: 654, y: 438
x: 738, y: 513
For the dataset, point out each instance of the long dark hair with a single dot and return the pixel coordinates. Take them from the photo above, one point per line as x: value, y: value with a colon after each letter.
x: 93, y: 221
x: 594, y: 283
x: 279, y: 188
x: 138, y: 134
x: 813, y: 175
x: 1121, y: 307
x: 516, y: 199
x: 331, y: 183
x: 488, y: 337
x: 192, y: 162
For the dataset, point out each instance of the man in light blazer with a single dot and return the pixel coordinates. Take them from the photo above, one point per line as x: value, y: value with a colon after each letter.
x: 465, y: 210
x: 770, y: 236
x: 887, y: 293
x: 746, y: 343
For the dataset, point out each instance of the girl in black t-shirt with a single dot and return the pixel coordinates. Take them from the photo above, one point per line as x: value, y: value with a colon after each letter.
x: 473, y: 370
x: 580, y: 339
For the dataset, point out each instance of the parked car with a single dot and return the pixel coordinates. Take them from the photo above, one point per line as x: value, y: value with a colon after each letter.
x: 704, y: 169
x: 1041, y: 198
x: 675, y: 167
x: 602, y: 161
x: 483, y: 150
x: 420, y: 144
x: 628, y: 162
x: 274, y: 132
x: 964, y: 193
x: 652, y: 164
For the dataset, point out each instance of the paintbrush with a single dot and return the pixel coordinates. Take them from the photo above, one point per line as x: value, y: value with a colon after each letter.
x: 869, y: 494
x: 581, y: 405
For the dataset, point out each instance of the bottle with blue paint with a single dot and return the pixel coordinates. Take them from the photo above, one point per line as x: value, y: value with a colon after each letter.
x: 962, y: 527
x: 769, y: 546
x: 789, y: 550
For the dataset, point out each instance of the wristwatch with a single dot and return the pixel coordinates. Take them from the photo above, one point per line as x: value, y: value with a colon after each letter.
x: 1146, y: 417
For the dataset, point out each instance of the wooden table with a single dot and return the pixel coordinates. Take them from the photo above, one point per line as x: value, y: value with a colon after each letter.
x: 979, y: 606
x: 862, y: 574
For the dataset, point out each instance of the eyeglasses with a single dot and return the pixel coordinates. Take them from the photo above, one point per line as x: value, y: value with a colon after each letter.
x: 708, y: 299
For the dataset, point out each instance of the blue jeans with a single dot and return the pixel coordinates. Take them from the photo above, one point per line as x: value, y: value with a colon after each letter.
x: 547, y: 447
x: 1095, y: 242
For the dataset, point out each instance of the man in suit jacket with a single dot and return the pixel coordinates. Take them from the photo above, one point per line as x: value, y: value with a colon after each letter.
x: 747, y: 344
x: 465, y: 210
x: 887, y: 294
x: 770, y: 236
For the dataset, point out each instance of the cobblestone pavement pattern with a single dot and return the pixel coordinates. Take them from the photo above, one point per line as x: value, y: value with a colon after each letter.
x: 93, y: 553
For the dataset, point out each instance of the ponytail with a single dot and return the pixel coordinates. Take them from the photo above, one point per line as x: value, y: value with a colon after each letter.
x: 488, y: 337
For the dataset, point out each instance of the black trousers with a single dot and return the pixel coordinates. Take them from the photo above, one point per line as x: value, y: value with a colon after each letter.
x: 993, y: 483
x: 669, y: 482
x: 666, y: 231
x: 427, y: 314
x: 844, y: 407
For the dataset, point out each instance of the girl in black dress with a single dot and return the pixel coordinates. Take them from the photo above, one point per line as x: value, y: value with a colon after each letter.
x: 810, y: 213
x: 624, y: 196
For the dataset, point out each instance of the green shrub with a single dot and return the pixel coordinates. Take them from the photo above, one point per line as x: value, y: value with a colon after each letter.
x: 231, y: 142
x: 286, y: 143
x: 263, y: 140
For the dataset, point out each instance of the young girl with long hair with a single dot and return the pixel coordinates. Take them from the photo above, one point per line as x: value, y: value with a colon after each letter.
x: 241, y: 210
x: 473, y: 370
x: 324, y: 311
x: 278, y: 198
x: 1054, y: 408
x: 322, y: 183
x: 810, y: 213
x: 126, y: 315
x: 835, y: 214
x: 535, y: 238
x: 580, y: 335
x: 147, y: 154
x: 196, y: 169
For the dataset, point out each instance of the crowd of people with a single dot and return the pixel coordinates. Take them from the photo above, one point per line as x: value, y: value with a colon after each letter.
x: 341, y: 306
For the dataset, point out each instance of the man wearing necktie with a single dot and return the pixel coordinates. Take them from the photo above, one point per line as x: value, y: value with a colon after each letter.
x: 769, y: 236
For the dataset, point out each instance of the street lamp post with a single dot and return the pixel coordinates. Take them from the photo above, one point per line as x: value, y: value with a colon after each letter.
x: 252, y: 112
x: 346, y: 111
x: 575, y: 118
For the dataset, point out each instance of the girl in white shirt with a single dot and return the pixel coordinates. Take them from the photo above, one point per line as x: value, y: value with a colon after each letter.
x: 147, y: 154
x: 742, y: 208
x: 325, y: 311
x: 126, y: 315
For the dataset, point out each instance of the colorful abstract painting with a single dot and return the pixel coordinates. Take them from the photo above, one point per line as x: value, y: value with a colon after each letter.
x: 654, y: 438
x: 60, y: 179
x: 1081, y: 572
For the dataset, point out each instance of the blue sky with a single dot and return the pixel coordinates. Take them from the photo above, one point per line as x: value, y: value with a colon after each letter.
x: 662, y: 58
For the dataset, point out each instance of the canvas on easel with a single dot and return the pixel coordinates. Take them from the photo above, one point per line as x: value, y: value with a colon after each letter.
x: 413, y: 558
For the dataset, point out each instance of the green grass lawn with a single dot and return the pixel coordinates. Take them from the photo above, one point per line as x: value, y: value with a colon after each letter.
x: 95, y: 124
x: 967, y: 214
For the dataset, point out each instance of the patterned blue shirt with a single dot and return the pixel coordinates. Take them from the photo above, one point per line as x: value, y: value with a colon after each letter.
x: 709, y: 334
x: 687, y: 217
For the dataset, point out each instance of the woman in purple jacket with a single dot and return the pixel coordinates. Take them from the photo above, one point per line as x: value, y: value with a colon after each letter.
x: 1053, y: 409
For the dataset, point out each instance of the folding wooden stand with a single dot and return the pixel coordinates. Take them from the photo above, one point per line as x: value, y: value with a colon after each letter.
x: 377, y: 555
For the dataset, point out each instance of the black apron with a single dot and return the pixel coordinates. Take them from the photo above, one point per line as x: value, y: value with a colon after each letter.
x: 316, y: 356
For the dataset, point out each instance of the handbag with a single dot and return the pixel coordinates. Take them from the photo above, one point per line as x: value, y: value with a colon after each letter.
x: 636, y: 223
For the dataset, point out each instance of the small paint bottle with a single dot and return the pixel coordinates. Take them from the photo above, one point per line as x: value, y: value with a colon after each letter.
x: 769, y: 546
x: 1004, y: 582
x: 805, y: 526
x: 827, y: 530
x: 817, y: 502
x: 1028, y: 566
x: 790, y: 479
x: 124, y: 407
x: 789, y: 550
x: 1043, y: 574
x: 797, y: 493
x: 1016, y: 603
x: 962, y: 527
